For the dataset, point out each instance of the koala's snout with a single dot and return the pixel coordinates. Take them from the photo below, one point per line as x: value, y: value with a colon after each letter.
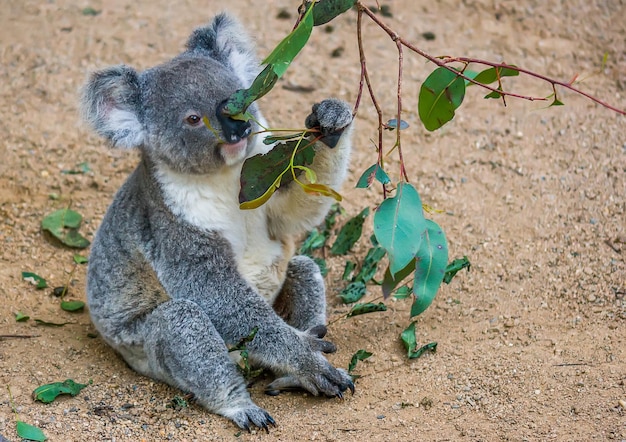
x: 233, y: 130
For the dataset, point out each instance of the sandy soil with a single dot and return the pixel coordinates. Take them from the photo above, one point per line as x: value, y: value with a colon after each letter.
x: 531, y: 342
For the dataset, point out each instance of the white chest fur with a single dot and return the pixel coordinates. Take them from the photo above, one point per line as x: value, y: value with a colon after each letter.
x: 210, y: 203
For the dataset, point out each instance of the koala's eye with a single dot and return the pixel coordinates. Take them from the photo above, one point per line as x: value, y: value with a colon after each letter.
x: 193, y: 119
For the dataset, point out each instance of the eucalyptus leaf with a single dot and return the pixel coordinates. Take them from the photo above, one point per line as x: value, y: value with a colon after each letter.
x: 72, y: 306
x: 369, y: 307
x: 454, y: 267
x: 393, y: 124
x: 440, y: 95
x: 284, y: 53
x: 431, y: 263
x: 326, y: 10
x: 262, y: 174
x: 390, y: 282
x: 63, y: 224
x: 49, y: 392
x: 410, y: 343
x: 353, y: 292
x: 29, y: 432
x: 360, y: 355
x: 398, y: 224
x: 491, y: 75
x: 35, y: 280
x: 79, y: 259
x: 370, y: 264
x: 374, y: 172
x: 349, y: 233
x: 21, y: 317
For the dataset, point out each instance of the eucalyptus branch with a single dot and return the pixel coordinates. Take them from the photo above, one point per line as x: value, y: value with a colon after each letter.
x: 445, y: 61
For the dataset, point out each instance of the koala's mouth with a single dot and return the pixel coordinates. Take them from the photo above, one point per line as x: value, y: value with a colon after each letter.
x: 234, y: 152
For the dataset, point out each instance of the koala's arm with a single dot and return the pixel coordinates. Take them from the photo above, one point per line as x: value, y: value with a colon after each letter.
x: 198, y: 267
x: 293, y: 211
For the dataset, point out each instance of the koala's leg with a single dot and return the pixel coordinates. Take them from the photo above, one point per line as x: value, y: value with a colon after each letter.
x: 302, y: 304
x: 184, y: 349
x: 302, y: 300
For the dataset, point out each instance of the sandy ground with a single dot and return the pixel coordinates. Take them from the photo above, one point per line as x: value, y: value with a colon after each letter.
x: 531, y: 342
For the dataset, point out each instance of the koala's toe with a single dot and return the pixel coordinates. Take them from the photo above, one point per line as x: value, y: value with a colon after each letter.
x: 248, y: 417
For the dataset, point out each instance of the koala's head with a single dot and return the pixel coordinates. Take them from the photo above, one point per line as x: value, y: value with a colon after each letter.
x: 160, y: 110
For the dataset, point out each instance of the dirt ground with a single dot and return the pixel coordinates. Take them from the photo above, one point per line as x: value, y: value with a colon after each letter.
x: 531, y: 342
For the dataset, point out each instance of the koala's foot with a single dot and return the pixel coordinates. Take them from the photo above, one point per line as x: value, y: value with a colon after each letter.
x: 331, y: 117
x: 249, y: 416
x: 317, y: 376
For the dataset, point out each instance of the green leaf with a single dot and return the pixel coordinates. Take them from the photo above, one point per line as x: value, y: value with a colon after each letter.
x: 49, y: 392
x: 326, y: 10
x: 29, y: 432
x: 370, y: 264
x: 241, y: 345
x: 284, y: 53
x: 353, y: 292
x: 469, y: 74
x: 494, y: 94
x: 490, y: 75
x: 369, y: 307
x: 454, y: 267
x: 440, y: 95
x: 79, y: 259
x: 348, y: 270
x: 410, y: 343
x: 72, y: 306
x: 21, y: 317
x: 241, y: 99
x: 556, y: 102
x: 393, y: 124
x: 390, y: 282
x: 403, y: 292
x: 431, y: 263
x: 35, y: 280
x: 398, y: 225
x: 431, y: 346
x: 360, y: 355
x: 63, y: 224
x: 349, y: 233
x: 315, y: 240
x: 266, y: 173
x: 372, y: 172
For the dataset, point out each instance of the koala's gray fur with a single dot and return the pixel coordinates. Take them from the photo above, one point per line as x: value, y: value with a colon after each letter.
x: 177, y: 271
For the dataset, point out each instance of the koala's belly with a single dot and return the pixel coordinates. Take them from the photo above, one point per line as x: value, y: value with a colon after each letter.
x: 264, y: 260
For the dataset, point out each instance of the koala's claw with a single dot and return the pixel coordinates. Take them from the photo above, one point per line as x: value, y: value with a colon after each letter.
x: 331, y: 117
x: 253, y: 416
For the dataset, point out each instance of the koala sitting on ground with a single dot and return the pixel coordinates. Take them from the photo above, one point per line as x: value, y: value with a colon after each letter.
x: 177, y: 271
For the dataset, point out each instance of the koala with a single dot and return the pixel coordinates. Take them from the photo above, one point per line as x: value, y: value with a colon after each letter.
x: 177, y: 272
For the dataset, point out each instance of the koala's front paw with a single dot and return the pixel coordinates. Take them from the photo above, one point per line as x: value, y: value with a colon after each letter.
x: 315, y: 374
x: 331, y: 117
x: 251, y: 415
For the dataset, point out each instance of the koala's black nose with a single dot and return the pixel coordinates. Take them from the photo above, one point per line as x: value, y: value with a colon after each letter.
x: 233, y: 130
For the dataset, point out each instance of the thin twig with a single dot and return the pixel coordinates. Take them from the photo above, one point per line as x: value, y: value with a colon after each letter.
x: 19, y: 336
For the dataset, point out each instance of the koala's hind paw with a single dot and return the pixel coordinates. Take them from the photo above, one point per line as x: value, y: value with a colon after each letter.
x: 251, y: 416
x: 331, y: 117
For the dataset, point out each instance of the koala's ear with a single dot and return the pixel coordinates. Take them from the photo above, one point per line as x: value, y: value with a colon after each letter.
x: 111, y: 104
x: 226, y: 40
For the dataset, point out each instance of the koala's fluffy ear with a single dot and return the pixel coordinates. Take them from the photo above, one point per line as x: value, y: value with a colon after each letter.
x: 111, y: 103
x: 225, y: 40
